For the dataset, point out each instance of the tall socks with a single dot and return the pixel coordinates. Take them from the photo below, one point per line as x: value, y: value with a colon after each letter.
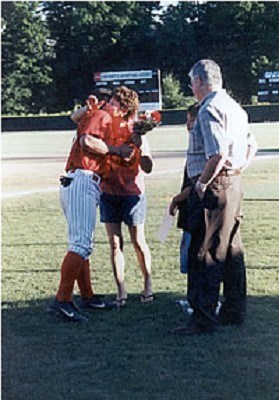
x: 70, y: 271
x: 84, y: 281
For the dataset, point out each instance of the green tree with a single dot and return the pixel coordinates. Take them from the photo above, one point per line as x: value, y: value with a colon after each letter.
x: 241, y: 36
x: 25, y: 55
x: 90, y: 36
x: 93, y: 36
x: 172, y: 95
x: 176, y: 41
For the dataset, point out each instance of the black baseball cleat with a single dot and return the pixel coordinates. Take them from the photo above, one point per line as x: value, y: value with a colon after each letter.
x: 69, y: 310
x: 94, y: 302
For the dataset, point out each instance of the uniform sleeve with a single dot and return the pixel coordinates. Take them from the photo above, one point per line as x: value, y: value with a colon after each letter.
x: 96, y: 125
x: 213, y: 128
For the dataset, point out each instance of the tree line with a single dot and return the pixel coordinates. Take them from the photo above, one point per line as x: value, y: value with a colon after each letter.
x: 50, y: 50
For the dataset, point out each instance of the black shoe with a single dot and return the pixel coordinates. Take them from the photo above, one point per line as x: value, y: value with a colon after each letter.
x: 69, y: 310
x: 94, y: 302
x: 229, y: 316
x: 230, y: 319
x: 195, y: 326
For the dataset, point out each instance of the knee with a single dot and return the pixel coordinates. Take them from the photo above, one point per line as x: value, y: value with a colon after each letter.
x: 139, y: 244
x: 80, y: 250
x: 116, y: 243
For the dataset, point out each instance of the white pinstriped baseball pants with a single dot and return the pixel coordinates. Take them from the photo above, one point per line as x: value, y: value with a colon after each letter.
x: 79, y: 202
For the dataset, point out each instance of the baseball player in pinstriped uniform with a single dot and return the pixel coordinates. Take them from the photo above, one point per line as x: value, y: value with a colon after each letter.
x: 123, y: 198
x: 87, y: 165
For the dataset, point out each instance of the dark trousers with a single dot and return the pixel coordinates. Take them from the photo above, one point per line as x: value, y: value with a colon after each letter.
x: 216, y: 252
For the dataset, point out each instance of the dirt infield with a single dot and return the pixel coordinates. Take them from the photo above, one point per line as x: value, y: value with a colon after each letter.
x: 33, y: 161
x: 27, y: 175
x: 24, y: 174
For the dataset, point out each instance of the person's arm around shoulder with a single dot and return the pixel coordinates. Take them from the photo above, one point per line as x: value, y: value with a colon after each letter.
x: 99, y: 147
x: 92, y: 138
x: 97, y: 143
x: 146, y: 161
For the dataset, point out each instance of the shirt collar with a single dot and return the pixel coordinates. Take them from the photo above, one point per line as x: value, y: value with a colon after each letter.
x: 210, y: 95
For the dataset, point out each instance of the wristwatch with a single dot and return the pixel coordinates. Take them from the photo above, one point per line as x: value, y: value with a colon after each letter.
x: 201, y: 186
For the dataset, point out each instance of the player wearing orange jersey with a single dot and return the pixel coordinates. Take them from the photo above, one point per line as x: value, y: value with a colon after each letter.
x: 87, y: 165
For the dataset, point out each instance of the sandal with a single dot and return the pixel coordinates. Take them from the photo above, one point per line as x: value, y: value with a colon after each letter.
x: 121, y: 302
x: 147, y: 298
x: 118, y: 303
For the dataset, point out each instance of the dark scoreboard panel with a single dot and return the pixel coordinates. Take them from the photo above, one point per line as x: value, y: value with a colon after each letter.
x: 268, y: 88
x: 145, y: 82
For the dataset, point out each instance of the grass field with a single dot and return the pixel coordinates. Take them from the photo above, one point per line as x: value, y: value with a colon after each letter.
x: 128, y: 354
x: 165, y: 138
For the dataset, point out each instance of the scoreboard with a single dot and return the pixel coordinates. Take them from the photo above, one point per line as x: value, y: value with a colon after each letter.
x: 145, y: 82
x: 268, y: 87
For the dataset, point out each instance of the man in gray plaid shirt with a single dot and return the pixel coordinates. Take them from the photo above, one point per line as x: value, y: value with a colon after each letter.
x: 220, y: 148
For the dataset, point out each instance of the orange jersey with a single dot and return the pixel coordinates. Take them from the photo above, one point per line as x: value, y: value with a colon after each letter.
x: 125, y: 178
x: 97, y: 124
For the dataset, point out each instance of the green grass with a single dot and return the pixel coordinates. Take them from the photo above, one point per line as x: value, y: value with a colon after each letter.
x: 261, y: 180
x: 36, y: 142
x: 165, y: 138
x: 128, y: 354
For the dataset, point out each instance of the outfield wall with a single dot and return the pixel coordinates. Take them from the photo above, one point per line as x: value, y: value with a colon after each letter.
x: 268, y: 113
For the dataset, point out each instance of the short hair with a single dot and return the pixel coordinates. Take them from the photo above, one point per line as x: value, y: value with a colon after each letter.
x: 127, y: 98
x: 208, y: 71
x: 103, y: 94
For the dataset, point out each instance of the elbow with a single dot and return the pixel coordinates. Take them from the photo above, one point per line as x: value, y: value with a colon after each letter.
x: 222, y: 156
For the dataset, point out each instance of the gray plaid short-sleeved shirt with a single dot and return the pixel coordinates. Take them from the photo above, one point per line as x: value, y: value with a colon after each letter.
x: 221, y: 127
